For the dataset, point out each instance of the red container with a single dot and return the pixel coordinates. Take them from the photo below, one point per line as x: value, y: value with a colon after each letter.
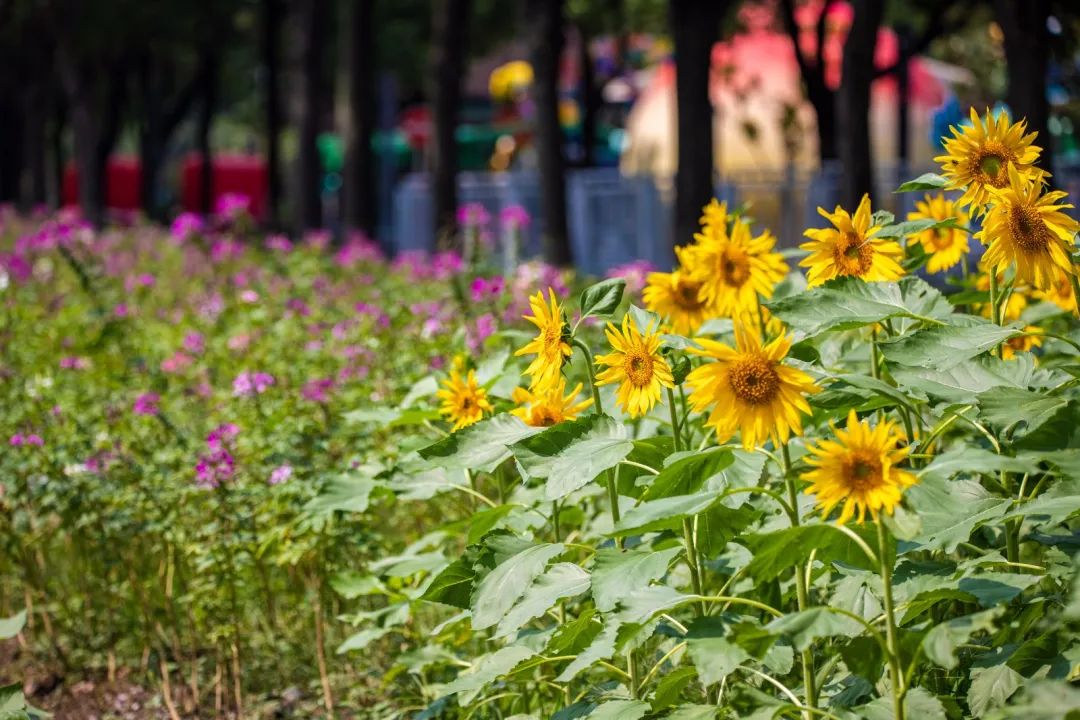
x: 237, y: 174
x: 123, y: 190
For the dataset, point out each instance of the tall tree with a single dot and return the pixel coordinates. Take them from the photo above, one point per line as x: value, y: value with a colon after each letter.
x: 1027, y: 53
x: 449, y: 45
x: 208, y: 91
x: 853, y: 102
x: 812, y: 70
x: 359, y: 182
x: 313, y: 32
x: 544, y: 20
x: 271, y: 61
x: 695, y: 27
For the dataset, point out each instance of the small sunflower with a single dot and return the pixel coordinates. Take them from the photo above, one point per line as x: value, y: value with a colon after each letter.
x: 849, y: 248
x: 636, y: 363
x: 978, y: 157
x: 464, y: 402
x: 1021, y: 343
x: 1060, y: 293
x: 945, y: 246
x: 1025, y: 227
x: 859, y: 468
x: 678, y: 299
x: 733, y: 268
x: 550, y: 407
x: 550, y: 346
x: 749, y: 389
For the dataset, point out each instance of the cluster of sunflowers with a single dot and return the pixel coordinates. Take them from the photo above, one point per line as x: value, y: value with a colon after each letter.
x: 727, y: 272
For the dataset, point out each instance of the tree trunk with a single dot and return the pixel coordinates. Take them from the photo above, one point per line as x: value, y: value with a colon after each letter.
x: 359, y: 185
x: 150, y: 143
x: 206, y: 119
x: 11, y: 157
x: 853, y: 103
x: 448, y: 60
x: 544, y: 18
x: 590, y: 100
x: 271, y: 32
x: 812, y: 70
x: 1023, y: 23
x: 313, y: 29
x: 695, y: 26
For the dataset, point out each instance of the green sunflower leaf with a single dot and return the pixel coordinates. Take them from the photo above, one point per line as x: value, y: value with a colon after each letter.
x: 602, y: 298
x: 571, y: 454
x: 926, y: 181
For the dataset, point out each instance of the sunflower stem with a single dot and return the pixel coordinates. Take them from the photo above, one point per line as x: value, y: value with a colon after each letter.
x: 598, y: 408
x: 875, y: 371
x: 692, y: 559
x: 895, y: 675
x: 802, y: 595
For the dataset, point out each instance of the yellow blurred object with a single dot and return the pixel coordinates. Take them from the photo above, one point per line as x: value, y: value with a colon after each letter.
x: 508, y: 79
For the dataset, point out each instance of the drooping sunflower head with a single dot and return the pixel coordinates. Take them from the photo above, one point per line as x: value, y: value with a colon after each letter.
x: 734, y: 268
x: 859, y: 467
x: 677, y: 298
x: 749, y: 389
x: 978, y: 157
x: 551, y: 344
x: 637, y: 365
x: 464, y: 401
x: 550, y: 407
x: 945, y: 246
x: 1060, y: 293
x: 1021, y: 343
x: 850, y: 249
x: 1026, y: 227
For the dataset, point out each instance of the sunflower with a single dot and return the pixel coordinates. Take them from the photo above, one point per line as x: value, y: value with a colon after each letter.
x: 550, y: 346
x: 464, y: 402
x: 849, y: 248
x: 733, y: 268
x: 749, y: 389
x: 677, y: 298
x: 945, y: 246
x: 859, y: 468
x: 978, y: 157
x: 550, y: 407
x: 1026, y: 227
x: 1060, y: 293
x: 1021, y: 343
x: 637, y: 364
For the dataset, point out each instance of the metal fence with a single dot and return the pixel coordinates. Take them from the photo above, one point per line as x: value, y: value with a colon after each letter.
x: 614, y: 218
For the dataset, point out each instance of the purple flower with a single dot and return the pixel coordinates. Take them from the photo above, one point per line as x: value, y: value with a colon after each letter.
x: 317, y: 391
x: 446, y: 264
x: 221, y: 435
x: 279, y: 243
x: 483, y: 288
x: 122, y: 310
x: 32, y: 439
x: 280, y: 474
x: 514, y: 217
x: 473, y: 215
x: 635, y: 273
x: 17, y: 439
x: 178, y: 362
x: 317, y: 239
x: 147, y: 404
x: 194, y: 343
x: 248, y: 384
x: 185, y: 225
x: 231, y: 206
x: 74, y: 362
x: 358, y: 248
x: 215, y: 468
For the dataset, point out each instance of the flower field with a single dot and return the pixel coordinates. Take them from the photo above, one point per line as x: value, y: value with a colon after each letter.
x: 272, y: 479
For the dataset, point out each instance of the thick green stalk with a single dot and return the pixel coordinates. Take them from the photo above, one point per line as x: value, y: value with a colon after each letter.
x: 802, y: 594
x: 598, y: 408
x: 895, y: 675
x: 692, y: 560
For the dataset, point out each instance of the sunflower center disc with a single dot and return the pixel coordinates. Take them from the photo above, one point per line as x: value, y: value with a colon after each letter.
x: 754, y: 380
